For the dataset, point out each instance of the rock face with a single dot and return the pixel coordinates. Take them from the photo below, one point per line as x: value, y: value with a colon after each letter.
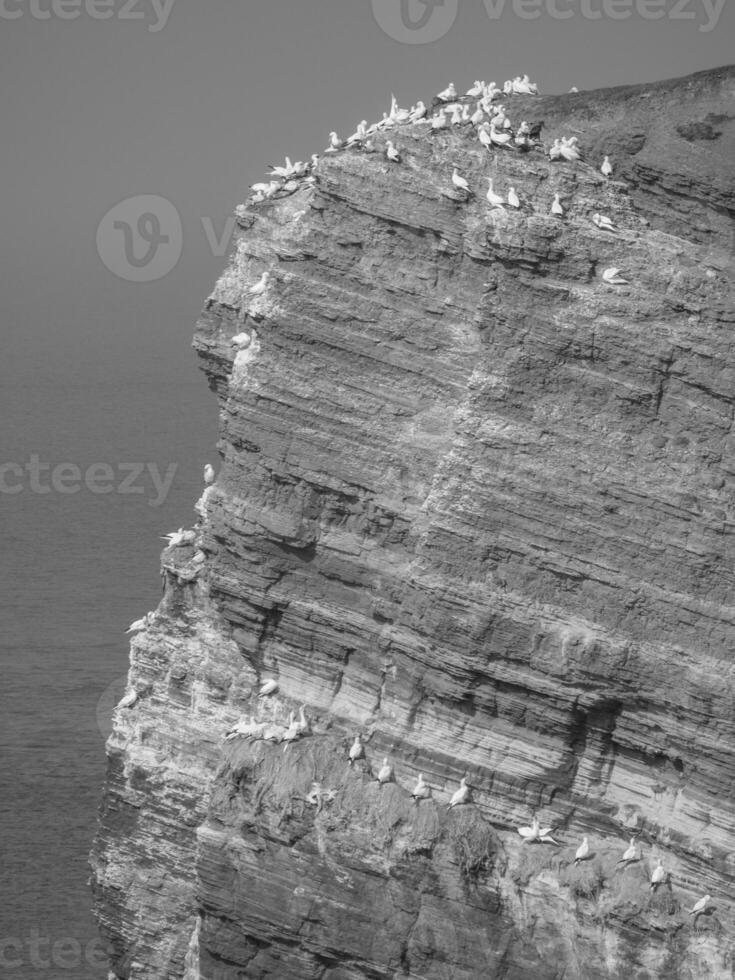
x: 478, y: 506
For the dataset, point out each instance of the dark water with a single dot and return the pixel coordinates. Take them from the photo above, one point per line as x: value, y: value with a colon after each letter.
x: 76, y: 569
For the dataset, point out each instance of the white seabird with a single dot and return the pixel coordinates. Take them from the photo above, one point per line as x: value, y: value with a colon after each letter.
x: 459, y: 182
x: 449, y: 93
x: 513, y: 198
x: 477, y: 89
x: 484, y: 137
x: 606, y: 167
x: 357, y: 750
x: 140, y: 624
x: 603, y: 222
x: 260, y: 286
x: 582, y: 852
x: 556, y: 206
x: 478, y: 115
x: 209, y: 473
x: 631, y: 854
x: 536, y: 833
x: 129, y: 700
x: 658, y: 876
x: 500, y: 139
x: 302, y: 721
x: 422, y: 790
x: 386, y: 772
x: 461, y: 796
x: 268, y: 687
x: 418, y: 112
x: 335, y: 143
x: 613, y: 277
x: 700, y: 906
x: 440, y: 121
x: 456, y: 115
x: 391, y: 152
x: 494, y: 200
x: 241, y: 340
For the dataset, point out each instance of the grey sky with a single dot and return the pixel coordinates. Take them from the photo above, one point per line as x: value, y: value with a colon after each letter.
x: 192, y: 102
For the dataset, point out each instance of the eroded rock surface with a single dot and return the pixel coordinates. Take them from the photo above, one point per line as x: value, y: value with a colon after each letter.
x: 478, y: 506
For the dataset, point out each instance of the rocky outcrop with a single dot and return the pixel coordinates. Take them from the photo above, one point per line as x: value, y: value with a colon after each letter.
x: 476, y: 505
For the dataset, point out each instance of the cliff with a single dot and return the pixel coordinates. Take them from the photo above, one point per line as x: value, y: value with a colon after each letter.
x: 478, y: 506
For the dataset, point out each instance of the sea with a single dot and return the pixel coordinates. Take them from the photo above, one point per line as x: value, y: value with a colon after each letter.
x: 91, y: 475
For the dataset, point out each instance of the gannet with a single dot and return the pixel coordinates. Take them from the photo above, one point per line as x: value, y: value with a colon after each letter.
x: 613, y: 278
x: 456, y: 115
x: 574, y: 89
x: 268, y: 687
x: 461, y: 795
x: 606, y: 167
x: 209, y: 473
x: 459, y: 182
x: 477, y: 89
x: 335, y: 143
x: 140, y: 624
x: 357, y: 750
x: 360, y: 133
x: 422, y: 790
x: 440, y: 121
x: 658, y: 875
x: 478, y: 115
x: 555, y: 151
x: 484, y: 137
x: 500, y: 139
x: 129, y: 700
x: 241, y: 340
x: 492, y: 91
x: 582, y: 851
x: 603, y: 222
x: 283, y: 171
x: 568, y: 149
x: 631, y: 853
x: 700, y: 906
x: 449, y: 93
x: 513, y: 198
x: 392, y: 153
x: 494, y: 200
x: 418, y: 112
x: 556, y: 206
x: 260, y: 286
x: 536, y: 833
x: 508, y: 88
x: 176, y: 539
x: 386, y: 772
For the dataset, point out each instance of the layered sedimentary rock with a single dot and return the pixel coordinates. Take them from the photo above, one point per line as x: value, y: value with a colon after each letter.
x: 479, y: 507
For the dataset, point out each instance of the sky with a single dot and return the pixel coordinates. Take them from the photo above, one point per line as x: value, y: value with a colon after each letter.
x: 105, y: 101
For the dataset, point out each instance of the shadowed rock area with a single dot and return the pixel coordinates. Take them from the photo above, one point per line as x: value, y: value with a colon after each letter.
x: 478, y: 506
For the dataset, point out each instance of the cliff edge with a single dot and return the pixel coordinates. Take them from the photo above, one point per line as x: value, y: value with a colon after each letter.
x: 478, y: 506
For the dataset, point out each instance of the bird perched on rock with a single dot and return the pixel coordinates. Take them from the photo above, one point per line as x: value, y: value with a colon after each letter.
x: 459, y: 182
x: 602, y: 221
x: 461, y: 796
x: 241, y: 340
x: 140, y: 624
x: 498, y: 138
x: 606, y: 167
x: 449, y: 93
x: 658, y: 876
x: 699, y: 907
x: 335, y: 143
x: 357, y: 751
x: 268, y: 687
x: 129, y: 700
x: 493, y: 199
x: 421, y: 791
x: 513, y: 198
x: 260, y: 286
x: 556, y: 206
x: 209, y: 473
x: 631, y: 854
x: 386, y: 772
x: 177, y: 539
x: 439, y: 121
x: 582, y: 852
x: 483, y: 136
x: 392, y: 153
x: 418, y: 112
x: 536, y: 833
x: 613, y: 277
